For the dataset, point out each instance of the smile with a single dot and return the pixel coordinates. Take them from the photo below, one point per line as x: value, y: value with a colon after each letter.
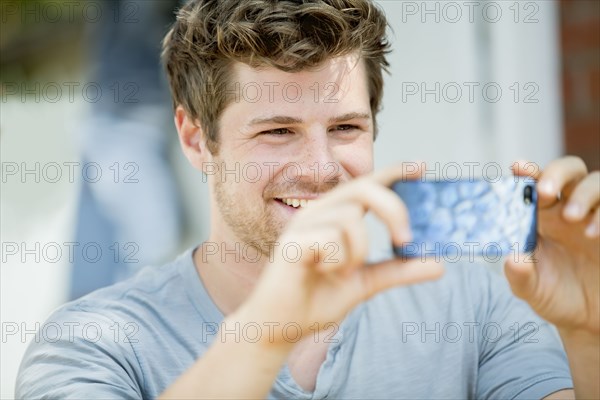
x: 296, y: 203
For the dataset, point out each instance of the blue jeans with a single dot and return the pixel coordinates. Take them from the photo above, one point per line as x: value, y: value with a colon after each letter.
x: 131, y: 214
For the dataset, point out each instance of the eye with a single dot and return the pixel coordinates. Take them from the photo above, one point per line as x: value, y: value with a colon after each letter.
x: 277, y: 132
x: 346, y: 127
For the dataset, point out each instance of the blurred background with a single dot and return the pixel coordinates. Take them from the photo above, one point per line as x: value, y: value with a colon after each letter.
x: 94, y: 185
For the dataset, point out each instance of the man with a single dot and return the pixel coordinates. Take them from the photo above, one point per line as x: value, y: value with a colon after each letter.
x: 279, y: 302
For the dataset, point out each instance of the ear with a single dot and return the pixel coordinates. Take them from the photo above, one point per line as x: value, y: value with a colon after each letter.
x: 191, y: 139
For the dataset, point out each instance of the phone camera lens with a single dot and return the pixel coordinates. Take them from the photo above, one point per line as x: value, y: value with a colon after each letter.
x: 528, y: 195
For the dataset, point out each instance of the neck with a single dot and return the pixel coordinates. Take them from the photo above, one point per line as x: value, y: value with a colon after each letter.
x: 229, y: 270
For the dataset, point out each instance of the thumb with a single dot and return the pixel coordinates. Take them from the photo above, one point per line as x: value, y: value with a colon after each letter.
x: 396, y: 272
x: 521, y: 273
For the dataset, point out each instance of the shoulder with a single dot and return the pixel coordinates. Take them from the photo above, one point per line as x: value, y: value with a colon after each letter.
x: 145, y: 291
x: 102, y: 333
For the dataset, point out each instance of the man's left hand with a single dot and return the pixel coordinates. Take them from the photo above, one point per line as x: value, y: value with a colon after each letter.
x: 561, y: 281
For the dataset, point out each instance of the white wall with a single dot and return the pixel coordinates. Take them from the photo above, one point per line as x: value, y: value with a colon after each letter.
x: 479, y: 52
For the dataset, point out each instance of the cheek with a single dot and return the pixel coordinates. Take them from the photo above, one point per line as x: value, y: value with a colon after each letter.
x: 238, y: 180
x: 261, y: 168
x: 357, y: 158
x: 252, y: 178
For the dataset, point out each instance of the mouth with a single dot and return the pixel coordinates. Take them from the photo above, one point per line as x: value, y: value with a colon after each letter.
x: 294, y: 203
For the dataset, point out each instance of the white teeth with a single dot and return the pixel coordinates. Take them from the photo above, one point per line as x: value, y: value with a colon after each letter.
x: 296, y: 202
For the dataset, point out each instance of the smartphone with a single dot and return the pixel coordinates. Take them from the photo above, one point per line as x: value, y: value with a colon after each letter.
x: 474, y: 218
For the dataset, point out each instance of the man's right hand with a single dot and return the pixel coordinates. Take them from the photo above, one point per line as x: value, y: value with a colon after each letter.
x: 321, y: 287
x: 331, y: 277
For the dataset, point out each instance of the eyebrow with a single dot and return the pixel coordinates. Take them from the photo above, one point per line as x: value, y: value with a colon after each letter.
x: 349, y: 116
x: 286, y: 120
x: 278, y: 119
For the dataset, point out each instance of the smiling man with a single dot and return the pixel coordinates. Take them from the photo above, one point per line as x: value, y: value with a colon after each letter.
x: 276, y: 102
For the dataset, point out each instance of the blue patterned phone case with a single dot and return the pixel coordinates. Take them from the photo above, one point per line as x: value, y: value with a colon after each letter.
x: 469, y: 218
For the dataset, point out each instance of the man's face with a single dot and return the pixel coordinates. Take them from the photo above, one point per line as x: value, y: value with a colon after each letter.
x: 288, y: 138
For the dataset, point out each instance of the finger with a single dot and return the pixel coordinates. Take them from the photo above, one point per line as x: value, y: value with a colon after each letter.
x: 521, y: 274
x: 584, y: 198
x: 387, y: 274
x: 338, y: 242
x: 320, y: 215
x: 526, y: 168
x: 357, y: 239
x: 593, y: 229
x: 314, y: 248
x: 556, y: 176
x: 384, y: 177
x: 350, y: 252
x: 372, y: 196
x: 405, y: 170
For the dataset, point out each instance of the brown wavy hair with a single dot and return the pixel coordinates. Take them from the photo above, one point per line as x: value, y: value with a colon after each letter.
x: 210, y: 35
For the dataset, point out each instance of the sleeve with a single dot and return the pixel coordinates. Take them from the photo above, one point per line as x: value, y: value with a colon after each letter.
x: 520, y: 355
x: 81, y: 355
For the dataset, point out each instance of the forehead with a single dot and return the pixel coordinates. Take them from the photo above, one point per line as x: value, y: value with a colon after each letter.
x: 339, y: 85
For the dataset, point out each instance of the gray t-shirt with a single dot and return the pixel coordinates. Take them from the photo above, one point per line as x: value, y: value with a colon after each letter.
x: 463, y: 336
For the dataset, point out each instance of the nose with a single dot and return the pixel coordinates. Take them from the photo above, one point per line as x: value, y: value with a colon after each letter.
x: 317, y: 157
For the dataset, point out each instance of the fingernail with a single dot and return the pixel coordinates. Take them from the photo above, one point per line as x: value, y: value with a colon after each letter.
x: 546, y: 187
x: 592, y: 230
x: 573, y: 210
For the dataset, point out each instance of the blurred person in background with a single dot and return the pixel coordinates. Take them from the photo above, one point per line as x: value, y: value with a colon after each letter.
x: 126, y: 135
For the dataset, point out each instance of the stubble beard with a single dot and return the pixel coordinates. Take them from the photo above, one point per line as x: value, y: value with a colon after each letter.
x: 254, y: 225
x: 259, y: 225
